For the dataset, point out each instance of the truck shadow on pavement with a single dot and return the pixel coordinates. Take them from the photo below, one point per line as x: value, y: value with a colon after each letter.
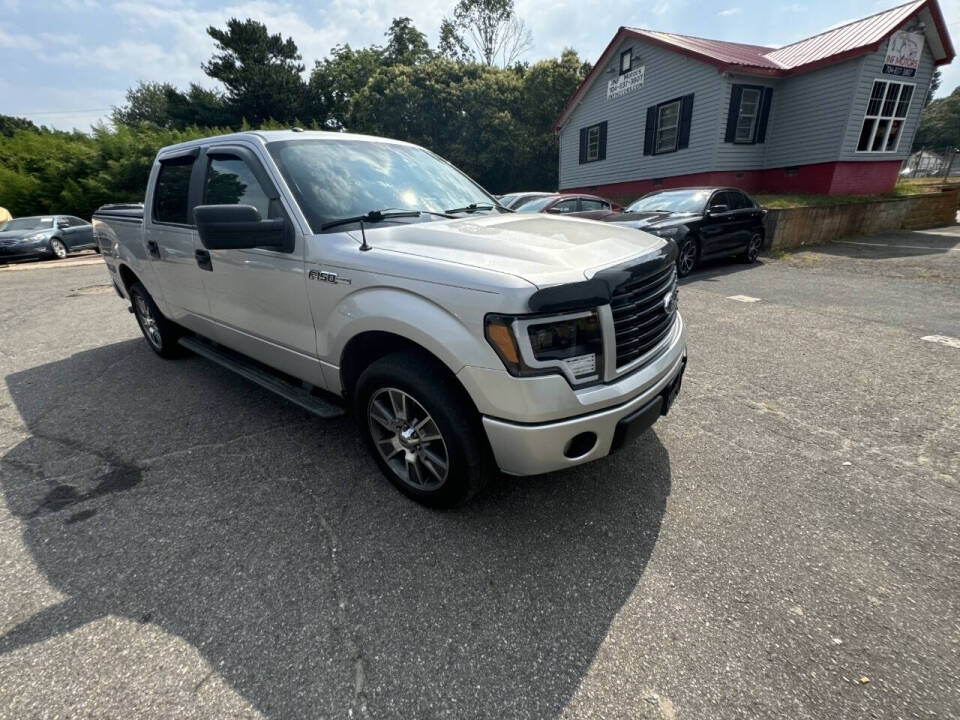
x: 177, y: 495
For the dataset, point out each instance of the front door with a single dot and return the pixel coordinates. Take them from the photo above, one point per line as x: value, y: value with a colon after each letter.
x: 718, y: 224
x: 258, y: 296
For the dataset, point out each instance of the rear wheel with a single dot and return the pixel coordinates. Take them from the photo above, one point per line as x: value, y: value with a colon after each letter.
x: 161, y: 334
x: 424, y: 434
x: 687, y: 256
x: 754, y: 246
x: 58, y: 249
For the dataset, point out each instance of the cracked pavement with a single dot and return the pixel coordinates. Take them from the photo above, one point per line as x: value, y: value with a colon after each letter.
x: 176, y: 542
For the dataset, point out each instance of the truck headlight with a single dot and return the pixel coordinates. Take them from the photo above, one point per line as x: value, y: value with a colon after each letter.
x: 569, y: 344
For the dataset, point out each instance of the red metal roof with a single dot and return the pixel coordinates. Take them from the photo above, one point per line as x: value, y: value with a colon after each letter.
x: 831, y: 46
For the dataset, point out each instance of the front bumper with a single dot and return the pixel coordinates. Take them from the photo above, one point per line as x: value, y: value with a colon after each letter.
x: 525, y: 449
x: 23, y: 250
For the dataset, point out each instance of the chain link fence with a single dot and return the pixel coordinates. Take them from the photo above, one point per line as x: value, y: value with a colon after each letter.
x: 932, y: 163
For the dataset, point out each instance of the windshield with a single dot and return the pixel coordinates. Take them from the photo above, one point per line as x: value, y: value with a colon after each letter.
x: 536, y: 205
x: 335, y: 179
x: 678, y: 201
x: 29, y: 223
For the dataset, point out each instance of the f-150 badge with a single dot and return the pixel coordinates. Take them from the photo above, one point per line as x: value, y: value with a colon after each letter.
x: 330, y: 277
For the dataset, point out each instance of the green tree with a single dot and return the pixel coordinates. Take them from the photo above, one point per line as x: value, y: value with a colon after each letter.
x: 10, y: 124
x: 336, y: 80
x: 405, y: 44
x: 261, y: 72
x: 940, y: 123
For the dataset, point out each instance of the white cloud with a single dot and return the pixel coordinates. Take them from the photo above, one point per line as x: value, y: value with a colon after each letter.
x: 730, y: 11
x: 16, y: 41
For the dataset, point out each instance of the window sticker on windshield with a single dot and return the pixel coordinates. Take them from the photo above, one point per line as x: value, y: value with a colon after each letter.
x: 46, y: 219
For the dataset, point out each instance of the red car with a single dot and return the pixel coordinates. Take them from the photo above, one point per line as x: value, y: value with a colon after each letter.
x: 573, y: 204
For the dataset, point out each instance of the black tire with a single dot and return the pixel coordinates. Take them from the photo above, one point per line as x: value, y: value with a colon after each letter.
x: 161, y: 334
x: 58, y: 248
x: 688, y: 255
x: 754, y: 246
x: 441, y: 401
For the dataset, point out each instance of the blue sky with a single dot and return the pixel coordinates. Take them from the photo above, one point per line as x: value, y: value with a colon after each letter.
x: 65, y: 63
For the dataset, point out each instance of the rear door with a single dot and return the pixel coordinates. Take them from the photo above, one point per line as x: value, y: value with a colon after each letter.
x: 257, y: 296
x: 171, y: 240
x: 80, y: 232
x: 749, y: 218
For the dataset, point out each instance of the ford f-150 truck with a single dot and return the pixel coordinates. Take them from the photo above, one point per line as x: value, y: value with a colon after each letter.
x: 345, y: 271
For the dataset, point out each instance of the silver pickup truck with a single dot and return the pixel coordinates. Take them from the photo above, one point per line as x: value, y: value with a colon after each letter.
x: 344, y: 271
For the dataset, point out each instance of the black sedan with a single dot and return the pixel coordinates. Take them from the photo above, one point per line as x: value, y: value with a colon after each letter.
x: 704, y: 222
x: 49, y: 236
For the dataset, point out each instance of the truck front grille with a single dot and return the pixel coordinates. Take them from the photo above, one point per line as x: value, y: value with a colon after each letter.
x: 640, y: 313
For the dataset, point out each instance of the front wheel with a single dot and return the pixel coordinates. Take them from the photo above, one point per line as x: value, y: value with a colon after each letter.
x: 752, y: 252
x: 687, y: 256
x: 58, y: 249
x: 161, y: 334
x: 424, y: 434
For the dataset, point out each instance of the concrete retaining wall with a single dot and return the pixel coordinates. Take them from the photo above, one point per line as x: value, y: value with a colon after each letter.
x: 795, y: 227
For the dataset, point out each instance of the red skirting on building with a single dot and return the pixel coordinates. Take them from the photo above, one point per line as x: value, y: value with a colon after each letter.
x: 833, y: 178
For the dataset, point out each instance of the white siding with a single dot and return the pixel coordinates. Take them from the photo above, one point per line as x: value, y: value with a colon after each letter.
x: 667, y: 76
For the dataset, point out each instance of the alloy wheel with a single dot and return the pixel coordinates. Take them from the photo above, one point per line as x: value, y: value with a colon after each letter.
x: 688, y: 257
x: 59, y: 249
x: 753, y: 248
x: 408, y: 439
x: 147, y: 321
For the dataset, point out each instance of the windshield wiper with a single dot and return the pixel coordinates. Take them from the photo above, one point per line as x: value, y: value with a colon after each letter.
x: 471, y: 208
x: 374, y: 216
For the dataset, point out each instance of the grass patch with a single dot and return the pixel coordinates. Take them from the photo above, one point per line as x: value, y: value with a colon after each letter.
x: 779, y: 202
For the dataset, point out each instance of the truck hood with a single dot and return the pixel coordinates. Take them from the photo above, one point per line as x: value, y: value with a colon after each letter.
x: 540, y: 249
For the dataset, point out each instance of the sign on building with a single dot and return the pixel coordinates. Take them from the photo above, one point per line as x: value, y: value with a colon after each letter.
x: 903, y: 53
x: 628, y: 82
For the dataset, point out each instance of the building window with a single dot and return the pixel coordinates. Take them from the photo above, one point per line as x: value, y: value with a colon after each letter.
x: 668, y: 126
x: 593, y: 143
x: 668, y: 122
x: 626, y: 61
x: 886, y: 112
x: 748, y: 114
x: 749, y: 111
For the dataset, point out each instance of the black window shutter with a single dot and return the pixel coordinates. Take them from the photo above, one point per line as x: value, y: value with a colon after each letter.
x: 583, y: 145
x: 603, y: 141
x: 650, y: 131
x: 764, y: 115
x: 733, y: 114
x: 686, y: 114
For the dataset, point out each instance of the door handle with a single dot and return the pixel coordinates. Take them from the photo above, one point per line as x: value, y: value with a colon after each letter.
x: 153, y: 248
x: 203, y: 260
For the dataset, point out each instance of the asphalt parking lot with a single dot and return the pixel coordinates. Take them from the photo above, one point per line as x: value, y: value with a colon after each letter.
x: 175, y: 542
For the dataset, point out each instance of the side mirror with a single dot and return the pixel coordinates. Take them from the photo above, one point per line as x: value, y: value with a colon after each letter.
x: 238, y: 227
x: 717, y: 209
x: 63, y: 224
x: 553, y: 211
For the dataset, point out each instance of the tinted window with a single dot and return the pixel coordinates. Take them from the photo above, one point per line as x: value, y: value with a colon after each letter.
x: 172, y: 191
x: 76, y: 222
x: 738, y: 201
x: 535, y: 205
x: 566, y: 206
x: 588, y: 204
x: 721, y: 198
x: 230, y: 181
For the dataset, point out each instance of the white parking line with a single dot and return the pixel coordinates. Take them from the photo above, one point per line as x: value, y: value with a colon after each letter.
x: 743, y: 298
x: 943, y: 340
x: 905, y: 247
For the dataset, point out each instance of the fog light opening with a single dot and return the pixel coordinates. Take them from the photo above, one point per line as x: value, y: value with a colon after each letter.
x: 580, y: 445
